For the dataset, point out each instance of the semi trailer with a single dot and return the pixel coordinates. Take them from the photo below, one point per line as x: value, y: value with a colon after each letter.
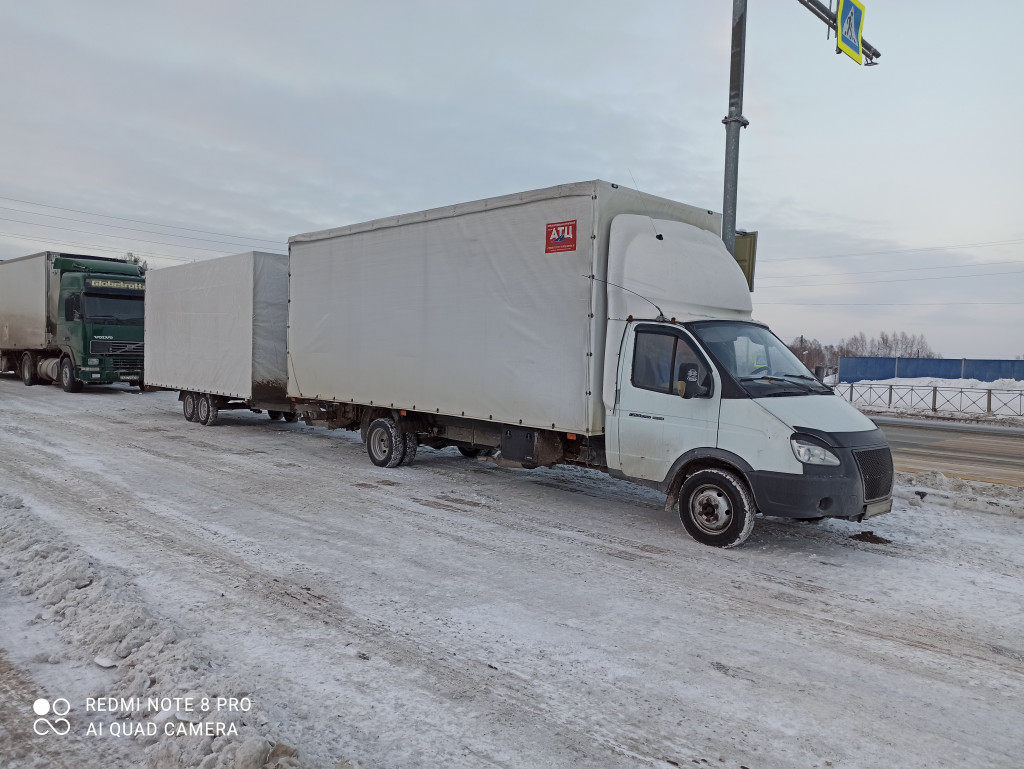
x: 216, y: 333
x: 72, y: 319
x: 585, y: 324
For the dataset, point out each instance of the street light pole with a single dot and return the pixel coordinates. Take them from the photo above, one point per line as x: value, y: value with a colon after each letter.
x: 734, y: 121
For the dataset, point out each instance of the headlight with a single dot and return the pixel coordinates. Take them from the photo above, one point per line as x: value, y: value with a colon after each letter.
x: 93, y: 361
x: 812, y: 454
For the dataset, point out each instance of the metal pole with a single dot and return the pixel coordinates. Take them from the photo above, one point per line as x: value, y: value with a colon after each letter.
x: 734, y: 121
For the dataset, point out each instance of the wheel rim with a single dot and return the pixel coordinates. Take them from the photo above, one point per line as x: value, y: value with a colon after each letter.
x: 190, y: 406
x: 204, y: 409
x: 710, y: 509
x: 379, y: 444
x: 65, y: 374
x: 26, y: 368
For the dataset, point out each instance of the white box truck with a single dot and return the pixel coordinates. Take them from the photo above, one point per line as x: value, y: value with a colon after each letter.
x: 586, y: 324
x: 216, y: 333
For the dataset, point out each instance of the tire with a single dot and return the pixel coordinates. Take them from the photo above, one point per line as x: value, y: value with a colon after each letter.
x: 291, y: 416
x: 29, y: 375
x: 385, y: 443
x: 411, y: 444
x: 716, y: 508
x: 469, y: 453
x: 188, y: 407
x: 206, y: 410
x: 67, y: 377
x: 275, y: 415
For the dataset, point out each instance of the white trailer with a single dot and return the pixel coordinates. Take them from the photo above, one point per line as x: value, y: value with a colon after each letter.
x: 216, y: 333
x: 587, y: 324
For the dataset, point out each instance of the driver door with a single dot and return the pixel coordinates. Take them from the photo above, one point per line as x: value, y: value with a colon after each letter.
x: 656, y: 425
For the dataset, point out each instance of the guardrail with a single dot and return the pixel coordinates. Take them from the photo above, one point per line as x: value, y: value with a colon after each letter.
x: 956, y: 400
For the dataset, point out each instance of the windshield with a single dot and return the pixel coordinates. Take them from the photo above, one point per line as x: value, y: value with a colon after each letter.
x: 113, y: 310
x: 756, y: 359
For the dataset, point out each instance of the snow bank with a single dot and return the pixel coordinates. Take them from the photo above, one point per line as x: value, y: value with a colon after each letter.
x: 959, y: 494
x: 105, y: 625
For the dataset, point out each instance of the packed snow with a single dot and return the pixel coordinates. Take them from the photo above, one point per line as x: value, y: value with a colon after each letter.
x: 455, y: 613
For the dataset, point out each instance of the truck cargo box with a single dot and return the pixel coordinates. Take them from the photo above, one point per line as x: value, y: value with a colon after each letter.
x: 23, y: 296
x: 484, y: 310
x: 218, y: 326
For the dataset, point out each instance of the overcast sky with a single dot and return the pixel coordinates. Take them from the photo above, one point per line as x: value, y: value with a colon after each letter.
x: 895, y: 189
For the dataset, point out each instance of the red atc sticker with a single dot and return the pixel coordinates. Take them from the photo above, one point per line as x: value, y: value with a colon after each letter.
x: 561, y: 237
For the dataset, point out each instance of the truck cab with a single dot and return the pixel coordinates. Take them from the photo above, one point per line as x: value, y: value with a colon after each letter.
x: 99, y: 321
x: 710, y: 407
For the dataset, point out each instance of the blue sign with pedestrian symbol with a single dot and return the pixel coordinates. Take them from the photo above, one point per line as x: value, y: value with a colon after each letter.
x: 850, y: 29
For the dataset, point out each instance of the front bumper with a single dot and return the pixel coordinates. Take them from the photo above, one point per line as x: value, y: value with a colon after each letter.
x: 111, y: 370
x: 860, y: 487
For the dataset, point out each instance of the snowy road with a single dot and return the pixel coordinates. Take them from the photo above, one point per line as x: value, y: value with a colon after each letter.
x: 988, y: 453
x: 457, y: 614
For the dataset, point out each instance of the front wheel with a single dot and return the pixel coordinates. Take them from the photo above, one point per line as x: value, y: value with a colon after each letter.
x: 68, y: 381
x: 716, y: 508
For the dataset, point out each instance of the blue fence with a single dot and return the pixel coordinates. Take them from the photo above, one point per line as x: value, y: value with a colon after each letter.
x: 859, y: 369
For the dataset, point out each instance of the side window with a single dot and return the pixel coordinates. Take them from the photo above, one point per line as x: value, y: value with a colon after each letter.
x: 73, y: 307
x: 687, y: 357
x: 660, y: 363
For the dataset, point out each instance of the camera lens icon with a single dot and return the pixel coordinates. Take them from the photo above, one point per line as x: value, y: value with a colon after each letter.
x: 60, y: 707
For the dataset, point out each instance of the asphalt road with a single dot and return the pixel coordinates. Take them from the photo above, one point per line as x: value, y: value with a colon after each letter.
x: 974, y: 452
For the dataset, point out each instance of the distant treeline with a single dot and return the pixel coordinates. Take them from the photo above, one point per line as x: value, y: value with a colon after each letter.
x: 898, y: 344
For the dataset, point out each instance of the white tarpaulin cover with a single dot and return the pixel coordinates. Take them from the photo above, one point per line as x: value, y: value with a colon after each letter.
x: 23, y: 289
x: 219, y: 326
x: 472, y: 310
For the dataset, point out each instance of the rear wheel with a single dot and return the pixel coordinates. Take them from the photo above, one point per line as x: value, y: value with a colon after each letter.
x: 29, y: 375
x: 275, y: 415
x: 206, y: 409
x: 468, y: 452
x: 716, y: 508
x: 68, y: 380
x: 291, y: 416
x: 188, y: 406
x: 411, y: 444
x: 385, y: 443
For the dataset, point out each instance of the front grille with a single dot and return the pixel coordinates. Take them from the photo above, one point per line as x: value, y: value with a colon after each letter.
x: 876, y: 472
x: 107, y: 347
x: 133, y: 363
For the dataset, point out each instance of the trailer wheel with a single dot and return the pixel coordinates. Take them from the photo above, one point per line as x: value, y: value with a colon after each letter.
x: 469, y: 453
x: 29, y: 375
x: 206, y: 410
x: 275, y: 415
x: 385, y: 443
x: 411, y: 444
x: 716, y: 508
x: 291, y: 416
x: 67, y: 377
x: 188, y: 407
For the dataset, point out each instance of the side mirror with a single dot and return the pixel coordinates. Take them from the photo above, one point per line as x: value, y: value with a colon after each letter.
x: 686, y: 383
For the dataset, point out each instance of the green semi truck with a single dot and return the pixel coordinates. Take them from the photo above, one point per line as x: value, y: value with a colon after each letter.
x: 72, y: 319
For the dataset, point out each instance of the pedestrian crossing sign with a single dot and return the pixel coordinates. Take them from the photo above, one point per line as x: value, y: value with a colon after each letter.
x: 850, y: 29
